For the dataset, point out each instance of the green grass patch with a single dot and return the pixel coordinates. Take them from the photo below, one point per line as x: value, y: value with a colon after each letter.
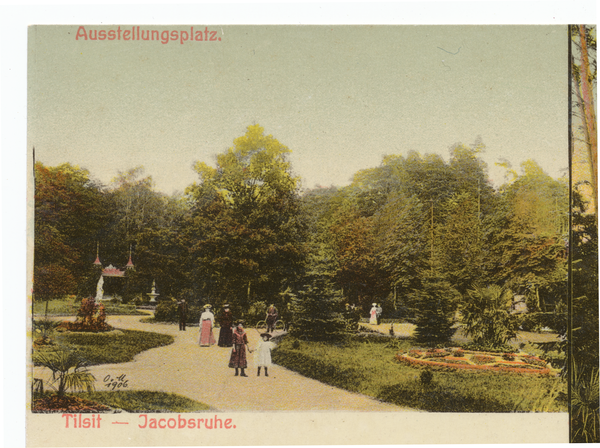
x: 70, y: 306
x: 56, y: 307
x: 367, y: 366
x: 145, y: 401
x: 110, y: 347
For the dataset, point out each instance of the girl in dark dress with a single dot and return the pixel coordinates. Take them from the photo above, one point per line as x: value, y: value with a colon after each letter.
x: 238, y: 353
x: 226, y: 322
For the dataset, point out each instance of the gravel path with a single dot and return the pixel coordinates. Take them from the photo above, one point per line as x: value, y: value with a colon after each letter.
x: 202, y: 374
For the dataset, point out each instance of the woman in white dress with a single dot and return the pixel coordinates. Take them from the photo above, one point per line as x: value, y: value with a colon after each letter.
x: 207, y: 322
x: 262, y: 355
x: 373, y: 312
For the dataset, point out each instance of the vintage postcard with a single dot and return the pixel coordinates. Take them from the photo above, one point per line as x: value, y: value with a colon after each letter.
x: 311, y: 235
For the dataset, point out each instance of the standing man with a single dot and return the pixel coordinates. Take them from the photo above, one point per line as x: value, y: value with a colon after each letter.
x: 271, y: 318
x: 379, y: 311
x: 182, y: 308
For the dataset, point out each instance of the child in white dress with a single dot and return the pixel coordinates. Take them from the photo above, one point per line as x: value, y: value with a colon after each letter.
x: 262, y: 354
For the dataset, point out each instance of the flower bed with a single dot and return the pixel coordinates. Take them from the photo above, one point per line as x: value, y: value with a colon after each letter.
x: 441, y: 359
x: 91, y: 317
x: 67, y: 403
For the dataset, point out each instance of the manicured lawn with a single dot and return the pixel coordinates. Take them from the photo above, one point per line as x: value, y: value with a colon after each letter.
x: 69, y: 307
x: 110, y: 347
x: 367, y: 366
x: 128, y: 401
x: 146, y: 401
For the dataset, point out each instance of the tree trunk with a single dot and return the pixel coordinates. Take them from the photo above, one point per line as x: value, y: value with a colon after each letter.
x: 589, y: 114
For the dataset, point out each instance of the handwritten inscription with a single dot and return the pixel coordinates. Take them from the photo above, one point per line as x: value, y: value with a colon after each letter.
x: 116, y: 383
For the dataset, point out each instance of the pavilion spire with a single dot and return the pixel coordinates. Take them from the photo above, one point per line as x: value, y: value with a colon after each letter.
x: 97, y: 262
x: 130, y: 263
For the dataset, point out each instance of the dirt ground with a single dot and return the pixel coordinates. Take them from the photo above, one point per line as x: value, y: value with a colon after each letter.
x: 406, y: 330
x: 202, y: 374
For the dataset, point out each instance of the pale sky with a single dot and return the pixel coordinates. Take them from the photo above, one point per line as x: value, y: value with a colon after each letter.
x: 340, y: 97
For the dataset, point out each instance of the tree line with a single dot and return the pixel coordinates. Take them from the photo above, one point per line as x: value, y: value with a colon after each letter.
x: 246, y: 233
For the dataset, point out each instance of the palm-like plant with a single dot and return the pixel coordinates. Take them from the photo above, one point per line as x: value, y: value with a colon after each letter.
x: 44, y: 328
x: 68, y: 370
x: 486, y: 315
x: 585, y: 415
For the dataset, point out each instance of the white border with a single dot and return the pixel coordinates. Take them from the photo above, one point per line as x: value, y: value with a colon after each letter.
x: 13, y: 107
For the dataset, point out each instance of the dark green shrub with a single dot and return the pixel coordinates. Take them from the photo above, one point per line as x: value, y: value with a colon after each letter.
x: 435, y: 312
x: 317, y: 309
x: 486, y: 315
x: 194, y: 313
x: 536, y: 321
x: 166, y: 311
x: 426, y: 377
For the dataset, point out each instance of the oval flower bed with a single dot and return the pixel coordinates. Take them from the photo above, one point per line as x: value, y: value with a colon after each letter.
x: 450, y: 359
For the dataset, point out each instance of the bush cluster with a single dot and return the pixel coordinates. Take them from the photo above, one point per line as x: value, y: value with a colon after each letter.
x: 90, y: 317
x: 167, y: 311
x: 536, y: 321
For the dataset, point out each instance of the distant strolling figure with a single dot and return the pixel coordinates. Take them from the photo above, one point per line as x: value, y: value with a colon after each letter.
x: 238, y: 352
x: 271, y: 318
x: 182, y: 309
x: 379, y: 311
x: 207, y: 322
x: 263, y: 353
x: 226, y: 323
x: 373, y: 317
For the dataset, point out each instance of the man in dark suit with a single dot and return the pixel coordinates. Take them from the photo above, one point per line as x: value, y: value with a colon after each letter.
x: 182, y: 308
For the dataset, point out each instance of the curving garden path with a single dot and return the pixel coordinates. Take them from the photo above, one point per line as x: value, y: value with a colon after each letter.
x: 202, y: 374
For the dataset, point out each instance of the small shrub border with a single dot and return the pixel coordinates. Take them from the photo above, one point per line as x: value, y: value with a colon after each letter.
x: 458, y: 353
x: 482, y: 359
x: 436, y: 353
x: 456, y: 361
x: 534, y: 360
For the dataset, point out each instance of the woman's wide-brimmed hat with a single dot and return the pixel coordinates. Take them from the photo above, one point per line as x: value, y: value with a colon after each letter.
x: 240, y: 322
x: 207, y: 306
x: 374, y: 304
x: 266, y: 334
x: 226, y: 305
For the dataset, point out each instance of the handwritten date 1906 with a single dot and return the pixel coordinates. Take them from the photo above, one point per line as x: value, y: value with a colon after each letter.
x: 116, y: 383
